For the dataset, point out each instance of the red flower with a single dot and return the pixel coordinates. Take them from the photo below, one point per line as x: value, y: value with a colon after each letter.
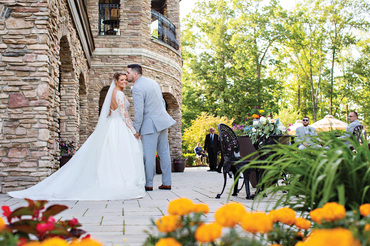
x: 7, y: 212
x: 45, y: 227
x: 51, y: 219
x: 73, y: 222
x: 21, y: 241
x: 86, y: 237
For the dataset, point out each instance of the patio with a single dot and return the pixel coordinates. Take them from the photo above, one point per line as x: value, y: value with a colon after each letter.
x: 124, y: 222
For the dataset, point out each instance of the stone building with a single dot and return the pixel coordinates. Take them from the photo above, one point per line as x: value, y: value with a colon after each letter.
x: 57, y: 59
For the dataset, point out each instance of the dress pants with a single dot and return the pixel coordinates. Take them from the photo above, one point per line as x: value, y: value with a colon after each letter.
x: 157, y: 141
x: 212, y: 156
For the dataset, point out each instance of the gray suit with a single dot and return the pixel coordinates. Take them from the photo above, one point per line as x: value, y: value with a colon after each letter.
x: 349, y: 131
x: 352, y: 126
x: 302, y: 136
x: 152, y: 122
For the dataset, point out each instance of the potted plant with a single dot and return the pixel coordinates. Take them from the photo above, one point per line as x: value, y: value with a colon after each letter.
x: 67, y: 150
x: 179, y: 164
x: 158, y: 169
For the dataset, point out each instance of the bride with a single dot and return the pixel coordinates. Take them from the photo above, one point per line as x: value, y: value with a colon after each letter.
x: 108, y: 166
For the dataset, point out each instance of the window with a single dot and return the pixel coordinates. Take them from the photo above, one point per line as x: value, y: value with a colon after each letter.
x: 163, y: 30
x: 109, y: 17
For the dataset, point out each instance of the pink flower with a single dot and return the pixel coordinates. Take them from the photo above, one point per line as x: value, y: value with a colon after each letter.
x: 73, y: 222
x: 51, y: 219
x: 44, y: 227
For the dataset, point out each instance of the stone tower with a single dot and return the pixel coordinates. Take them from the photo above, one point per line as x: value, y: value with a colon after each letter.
x: 57, y: 58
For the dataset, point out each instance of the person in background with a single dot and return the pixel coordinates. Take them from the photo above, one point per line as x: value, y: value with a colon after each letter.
x: 212, y: 146
x: 304, y: 134
x: 200, y: 152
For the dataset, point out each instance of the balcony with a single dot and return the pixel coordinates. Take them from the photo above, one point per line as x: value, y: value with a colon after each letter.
x: 109, y: 19
x: 163, y: 30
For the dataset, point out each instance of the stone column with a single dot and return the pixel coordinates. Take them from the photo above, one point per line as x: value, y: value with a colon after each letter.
x: 173, y: 14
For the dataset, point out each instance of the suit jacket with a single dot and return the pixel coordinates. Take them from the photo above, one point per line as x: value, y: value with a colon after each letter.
x: 150, y: 110
x: 212, y: 146
x: 352, y: 126
x: 349, y: 129
x: 302, y: 136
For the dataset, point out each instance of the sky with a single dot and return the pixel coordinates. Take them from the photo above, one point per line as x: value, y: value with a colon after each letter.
x: 187, y: 5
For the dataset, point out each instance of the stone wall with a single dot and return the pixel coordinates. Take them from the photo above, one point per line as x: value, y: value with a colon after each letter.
x: 29, y: 81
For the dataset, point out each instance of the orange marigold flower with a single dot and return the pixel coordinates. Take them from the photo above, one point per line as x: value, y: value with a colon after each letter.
x: 365, y: 209
x: 170, y: 241
x: 85, y: 242
x: 168, y: 223
x: 283, y: 215
x: 325, y: 237
x: 180, y: 206
x: 230, y: 214
x: 257, y: 222
x: 367, y: 227
x: 302, y: 223
x: 300, y: 234
x: 317, y: 215
x: 55, y: 241
x: 32, y: 244
x: 2, y: 224
x: 207, y: 233
x: 201, y: 208
x: 255, y: 116
x: 333, y: 212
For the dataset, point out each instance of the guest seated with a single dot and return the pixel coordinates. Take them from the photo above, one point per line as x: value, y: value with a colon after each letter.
x: 352, y: 118
x: 200, y: 153
x: 303, y: 134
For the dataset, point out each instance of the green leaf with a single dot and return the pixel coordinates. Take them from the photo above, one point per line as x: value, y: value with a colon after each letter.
x: 53, y: 210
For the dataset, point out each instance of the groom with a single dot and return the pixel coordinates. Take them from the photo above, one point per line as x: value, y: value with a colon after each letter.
x: 152, y: 122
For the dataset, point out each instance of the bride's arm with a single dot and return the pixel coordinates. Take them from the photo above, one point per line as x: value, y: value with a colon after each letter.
x: 123, y: 111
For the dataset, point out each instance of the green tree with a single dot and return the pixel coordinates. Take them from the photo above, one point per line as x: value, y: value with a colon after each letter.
x: 198, y: 130
x: 223, y: 74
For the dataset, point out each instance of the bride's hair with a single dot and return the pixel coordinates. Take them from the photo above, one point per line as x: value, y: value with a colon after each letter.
x: 116, y: 76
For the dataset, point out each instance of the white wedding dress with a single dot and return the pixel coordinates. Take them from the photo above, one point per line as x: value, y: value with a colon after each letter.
x: 108, y: 166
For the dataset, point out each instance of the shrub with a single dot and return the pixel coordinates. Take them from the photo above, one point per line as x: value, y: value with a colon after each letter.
x: 190, y: 159
x: 315, y: 176
x: 198, y: 130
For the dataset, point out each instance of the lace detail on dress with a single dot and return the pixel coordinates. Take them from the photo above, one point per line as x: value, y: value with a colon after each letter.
x: 122, y: 108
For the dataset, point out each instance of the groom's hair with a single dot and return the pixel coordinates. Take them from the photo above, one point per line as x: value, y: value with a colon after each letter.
x: 136, y: 68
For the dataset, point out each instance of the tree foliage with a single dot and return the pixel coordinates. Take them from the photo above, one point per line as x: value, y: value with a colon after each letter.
x: 199, y: 128
x: 312, y: 60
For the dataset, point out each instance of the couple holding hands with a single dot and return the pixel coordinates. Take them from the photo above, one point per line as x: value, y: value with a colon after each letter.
x: 117, y: 161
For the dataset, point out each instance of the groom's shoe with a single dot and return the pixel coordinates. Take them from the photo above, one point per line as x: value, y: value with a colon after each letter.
x: 165, y: 187
x: 148, y: 188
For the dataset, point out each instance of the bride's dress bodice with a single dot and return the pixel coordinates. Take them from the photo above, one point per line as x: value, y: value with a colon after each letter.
x: 122, y: 110
x: 116, y: 113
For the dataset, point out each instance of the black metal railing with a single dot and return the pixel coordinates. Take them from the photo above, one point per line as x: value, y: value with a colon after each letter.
x: 164, y: 30
x: 109, y: 19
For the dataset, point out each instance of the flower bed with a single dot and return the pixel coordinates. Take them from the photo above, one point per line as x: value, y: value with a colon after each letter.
x: 329, y: 225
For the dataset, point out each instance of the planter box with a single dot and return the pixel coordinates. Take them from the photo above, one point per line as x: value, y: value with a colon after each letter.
x: 158, y: 169
x: 179, y: 166
x: 64, y: 160
x: 247, y: 148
